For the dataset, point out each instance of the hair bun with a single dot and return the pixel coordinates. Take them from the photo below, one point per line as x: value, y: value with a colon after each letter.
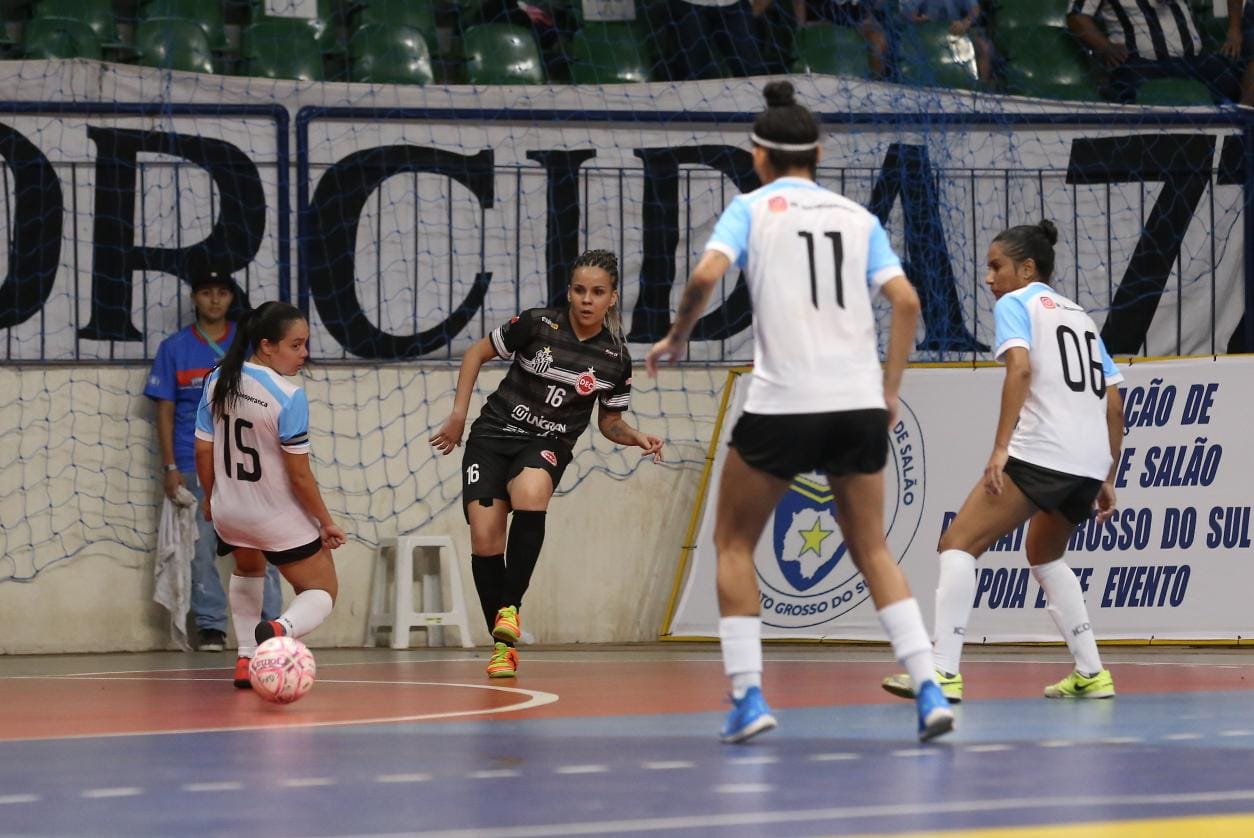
x: 779, y: 94
x: 1050, y: 231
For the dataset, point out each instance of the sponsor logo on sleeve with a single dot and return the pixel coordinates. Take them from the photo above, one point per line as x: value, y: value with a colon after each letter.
x: 777, y: 204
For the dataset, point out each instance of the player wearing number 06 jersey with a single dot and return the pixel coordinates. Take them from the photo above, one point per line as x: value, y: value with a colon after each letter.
x: 1058, y: 440
x: 818, y: 399
x: 564, y: 361
x: 252, y: 458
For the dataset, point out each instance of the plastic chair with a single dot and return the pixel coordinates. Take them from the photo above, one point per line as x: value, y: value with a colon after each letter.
x: 398, y: 613
x: 415, y: 14
x: 605, y: 52
x: 1046, y: 63
x: 498, y: 53
x: 206, y: 13
x: 931, y: 57
x: 98, y: 14
x: 1169, y: 92
x: 55, y: 37
x: 1029, y: 14
x: 278, y: 48
x: 831, y: 50
x: 389, y: 55
x: 173, y: 44
x: 324, y: 28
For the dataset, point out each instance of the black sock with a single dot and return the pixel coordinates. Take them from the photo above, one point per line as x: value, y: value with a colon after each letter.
x: 526, y: 536
x: 490, y: 582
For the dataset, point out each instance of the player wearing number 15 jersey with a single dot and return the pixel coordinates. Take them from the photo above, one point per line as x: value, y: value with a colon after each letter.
x: 818, y: 399
x: 252, y: 458
x: 1058, y: 440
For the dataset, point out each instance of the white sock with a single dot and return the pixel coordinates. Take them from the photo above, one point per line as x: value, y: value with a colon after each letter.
x: 741, y: 639
x: 245, y: 594
x: 903, y: 623
x: 1070, y: 614
x: 306, y: 612
x: 955, y: 594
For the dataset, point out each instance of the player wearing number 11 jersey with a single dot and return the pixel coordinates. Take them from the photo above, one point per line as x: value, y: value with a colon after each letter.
x: 1058, y: 440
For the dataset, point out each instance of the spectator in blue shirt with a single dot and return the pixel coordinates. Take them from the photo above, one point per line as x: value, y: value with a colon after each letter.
x: 178, y: 373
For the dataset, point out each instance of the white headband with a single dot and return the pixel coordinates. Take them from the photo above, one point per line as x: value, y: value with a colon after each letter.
x: 783, y: 146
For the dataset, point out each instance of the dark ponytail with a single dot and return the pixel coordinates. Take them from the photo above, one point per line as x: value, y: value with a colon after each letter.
x: 269, y: 321
x: 789, y: 124
x: 1031, y: 241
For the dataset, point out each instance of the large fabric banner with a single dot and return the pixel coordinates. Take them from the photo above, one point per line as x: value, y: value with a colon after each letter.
x: 1174, y: 563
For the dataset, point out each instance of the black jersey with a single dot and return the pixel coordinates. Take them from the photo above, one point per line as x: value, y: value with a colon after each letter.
x: 554, y: 378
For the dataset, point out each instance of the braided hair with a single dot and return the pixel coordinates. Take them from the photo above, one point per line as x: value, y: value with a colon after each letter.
x: 608, y: 262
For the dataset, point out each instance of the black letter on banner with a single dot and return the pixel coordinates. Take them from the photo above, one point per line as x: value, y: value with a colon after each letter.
x: 651, y: 319
x: 1232, y: 173
x: 1183, y: 165
x: 561, y: 241
x: 908, y: 172
x: 232, y: 242
x: 35, y: 238
x: 333, y: 217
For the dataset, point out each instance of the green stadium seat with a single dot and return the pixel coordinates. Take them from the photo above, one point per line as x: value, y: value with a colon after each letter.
x: 98, y: 14
x: 324, y: 27
x: 390, y: 54
x: 497, y: 53
x: 1029, y: 14
x: 173, y: 44
x: 610, y: 53
x: 55, y: 37
x: 1047, y: 63
x: 1178, y: 92
x: 832, y: 51
x: 282, y: 48
x: 206, y: 13
x: 415, y: 14
x: 931, y: 57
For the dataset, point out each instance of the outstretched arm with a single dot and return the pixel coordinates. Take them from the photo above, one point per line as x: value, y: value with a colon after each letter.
x: 615, y: 428
x: 450, y: 435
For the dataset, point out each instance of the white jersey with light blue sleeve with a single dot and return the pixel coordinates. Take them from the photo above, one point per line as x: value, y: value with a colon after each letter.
x: 813, y: 261
x: 253, y: 503
x: 1062, y: 425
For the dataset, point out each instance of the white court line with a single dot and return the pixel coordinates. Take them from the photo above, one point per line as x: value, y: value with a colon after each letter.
x: 754, y: 760
x: 836, y: 757
x: 581, y: 769
x: 918, y: 752
x: 402, y: 778
x: 744, y: 788
x: 535, y: 698
x: 707, y: 822
x: 1182, y: 737
x: 1055, y: 743
x: 668, y: 765
x: 1235, y: 732
x: 226, y: 785
x: 18, y: 798
x: 494, y: 774
x: 97, y: 794
x: 988, y: 749
x: 307, y: 782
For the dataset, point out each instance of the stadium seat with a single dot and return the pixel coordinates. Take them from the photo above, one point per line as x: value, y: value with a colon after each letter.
x: 173, y: 44
x: 389, y: 55
x: 98, y: 14
x: 415, y: 14
x: 831, y: 50
x: 497, y: 53
x: 1046, y: 63
x: 281, y: 48
x: 1029, y: 14
x: 53, y: 37
x: 609, y: 53
x: 206, y: 13
x: 931, y: 57
x: 1174, y: 92
x: 324, y: 27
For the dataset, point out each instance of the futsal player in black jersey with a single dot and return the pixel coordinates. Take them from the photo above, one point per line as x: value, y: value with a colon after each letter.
x: 563, y: 361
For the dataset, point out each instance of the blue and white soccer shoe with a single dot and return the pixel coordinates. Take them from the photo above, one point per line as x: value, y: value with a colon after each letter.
x: 935, y: 716
x: 749, y: 716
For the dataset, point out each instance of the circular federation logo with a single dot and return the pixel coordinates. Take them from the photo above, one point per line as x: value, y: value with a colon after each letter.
x: 812, y: 579
x: 586, y: 383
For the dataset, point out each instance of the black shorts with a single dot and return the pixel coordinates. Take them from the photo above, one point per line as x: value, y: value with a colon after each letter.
x: 1069, y: 494
x: 489, y: 463
x: 837, y: 443
x: 278, y: 557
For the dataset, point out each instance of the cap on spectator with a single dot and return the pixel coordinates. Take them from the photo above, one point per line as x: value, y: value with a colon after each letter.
x: 211, y: 277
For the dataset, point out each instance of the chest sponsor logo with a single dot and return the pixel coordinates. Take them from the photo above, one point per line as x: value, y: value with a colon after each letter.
x: 586, y: 383
x: 777, y: 204
x: 522, y: 413
x: 1047, y: 302
x: 549, y: 457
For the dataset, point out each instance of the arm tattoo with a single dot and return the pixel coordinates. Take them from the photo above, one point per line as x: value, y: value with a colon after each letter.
x: 690, y: 305
x: 616, y: 430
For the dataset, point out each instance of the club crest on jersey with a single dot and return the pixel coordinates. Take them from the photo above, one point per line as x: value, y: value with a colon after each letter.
x: 549, y: 457
x: 543, y: 360
x: 586, y: 383
x: 513, y: 320
x: 550, y: 323
x: 777, y: 204
x: 804, y: 571
x: 1048, y: 302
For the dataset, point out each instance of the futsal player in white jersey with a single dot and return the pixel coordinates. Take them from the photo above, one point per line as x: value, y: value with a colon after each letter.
x: 252, y: 458
x: 1053, y: 462
x: 818, y: 399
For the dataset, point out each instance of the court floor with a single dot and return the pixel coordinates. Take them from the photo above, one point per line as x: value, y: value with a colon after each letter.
x: 621, y: 741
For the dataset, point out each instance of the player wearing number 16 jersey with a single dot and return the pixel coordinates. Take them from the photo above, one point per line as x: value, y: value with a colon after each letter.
x: 818, y: 399
x: 252, y: 458
x: 1058, y: 440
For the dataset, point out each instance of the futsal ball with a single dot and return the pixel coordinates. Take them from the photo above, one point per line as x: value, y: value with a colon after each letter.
x: 282, y: 670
